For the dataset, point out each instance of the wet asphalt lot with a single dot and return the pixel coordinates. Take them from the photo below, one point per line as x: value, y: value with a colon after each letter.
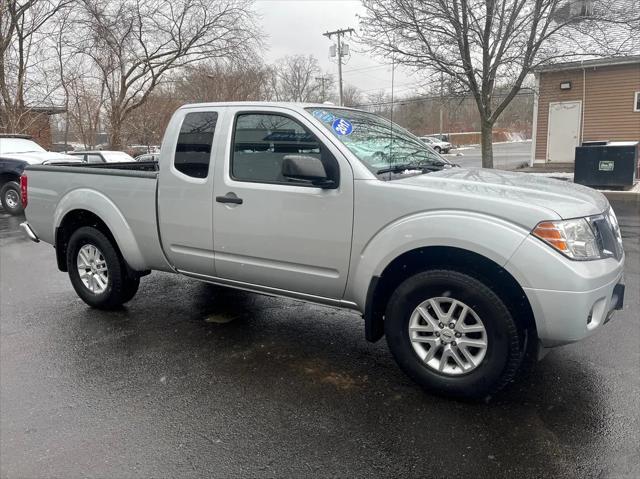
x: 191, y: 380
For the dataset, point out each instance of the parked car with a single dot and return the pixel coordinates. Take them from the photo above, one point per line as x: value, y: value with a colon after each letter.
x: 148, y: 157
x: 102, y: 156
x: 137, y: 150
x: 468, y: 272
x: 61, y: 147
x: 17, y: 151
x: 440, y: 136
x: 439, y: 145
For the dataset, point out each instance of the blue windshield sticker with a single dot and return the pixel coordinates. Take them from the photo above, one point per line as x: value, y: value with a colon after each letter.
x: 324, y: 116
x: 342, y: 127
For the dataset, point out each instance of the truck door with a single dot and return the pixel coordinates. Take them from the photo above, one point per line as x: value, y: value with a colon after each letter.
x: 271, y: 231
x: 185, y: 189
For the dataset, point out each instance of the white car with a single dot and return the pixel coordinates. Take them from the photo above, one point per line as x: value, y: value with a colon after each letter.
x: 148, y: 157
x: 103, y: 156
x: 437, y: 144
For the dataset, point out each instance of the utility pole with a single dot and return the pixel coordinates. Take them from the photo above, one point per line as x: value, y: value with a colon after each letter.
x: 322, y: 81
x: 339, y: 33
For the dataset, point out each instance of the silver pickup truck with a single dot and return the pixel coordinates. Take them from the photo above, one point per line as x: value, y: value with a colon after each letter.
x: 468, y: 272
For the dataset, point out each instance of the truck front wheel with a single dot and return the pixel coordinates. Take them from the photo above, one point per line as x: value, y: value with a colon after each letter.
x: 453, y: 334
x: 97, y: 271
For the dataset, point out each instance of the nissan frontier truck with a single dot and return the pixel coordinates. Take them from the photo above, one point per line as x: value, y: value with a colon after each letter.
x: 467, y: 272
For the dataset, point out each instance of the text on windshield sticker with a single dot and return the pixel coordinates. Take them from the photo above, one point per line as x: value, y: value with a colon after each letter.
x: 342, y: 127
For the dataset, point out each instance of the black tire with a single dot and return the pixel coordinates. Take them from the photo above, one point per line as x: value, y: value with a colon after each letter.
x: 10, y: 197
x: 504, y: 349
x: 437, y: 148
x: 120, y: 287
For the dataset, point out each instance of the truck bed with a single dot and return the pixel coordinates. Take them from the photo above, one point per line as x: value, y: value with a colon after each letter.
x: 122, y: 194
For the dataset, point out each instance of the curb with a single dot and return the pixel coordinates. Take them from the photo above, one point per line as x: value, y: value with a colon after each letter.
x: 632, y: 196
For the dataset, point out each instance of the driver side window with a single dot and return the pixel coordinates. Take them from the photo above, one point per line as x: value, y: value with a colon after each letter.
x: 262, y: 141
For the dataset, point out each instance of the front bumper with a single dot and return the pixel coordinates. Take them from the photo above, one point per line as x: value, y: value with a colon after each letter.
x: 29, y: 232
x: 570, y: 300
x: 563, y: 317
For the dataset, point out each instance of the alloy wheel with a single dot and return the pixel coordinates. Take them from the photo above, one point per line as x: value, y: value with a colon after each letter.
x: 92, y: 268
x: 448, y: 336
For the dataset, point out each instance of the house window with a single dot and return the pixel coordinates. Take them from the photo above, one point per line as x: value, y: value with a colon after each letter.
x: 636, y: 102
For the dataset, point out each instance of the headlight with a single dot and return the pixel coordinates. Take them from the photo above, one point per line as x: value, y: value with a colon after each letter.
x: 573, y: 238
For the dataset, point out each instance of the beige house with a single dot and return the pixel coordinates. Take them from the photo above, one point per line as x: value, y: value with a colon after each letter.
x: 584, y: 101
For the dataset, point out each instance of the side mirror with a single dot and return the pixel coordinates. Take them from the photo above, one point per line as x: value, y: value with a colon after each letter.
x: 307, y: 169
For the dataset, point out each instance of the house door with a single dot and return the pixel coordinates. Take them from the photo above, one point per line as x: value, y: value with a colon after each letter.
x: 564, y: 131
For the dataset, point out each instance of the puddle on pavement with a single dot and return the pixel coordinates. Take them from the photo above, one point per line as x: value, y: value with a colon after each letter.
x: 220, y: 318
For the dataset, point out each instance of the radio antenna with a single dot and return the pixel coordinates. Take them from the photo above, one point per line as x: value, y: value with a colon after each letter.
x: 393, y: 75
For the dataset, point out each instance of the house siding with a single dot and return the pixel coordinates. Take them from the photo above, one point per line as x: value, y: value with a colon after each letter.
x: 607, y: 107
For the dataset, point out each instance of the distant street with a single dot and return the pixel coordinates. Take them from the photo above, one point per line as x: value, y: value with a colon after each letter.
x: 506, y: 156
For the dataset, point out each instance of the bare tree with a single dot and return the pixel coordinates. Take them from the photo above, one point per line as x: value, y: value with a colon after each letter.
x: 224, y: 81
x: 351, y: 95
x: 133, y: 45
x: 69, y: 67
x: 26, y: 69
x: 146, y: 125
x: 296, y: 78
x: 483, y: 44
x: 86, y: 105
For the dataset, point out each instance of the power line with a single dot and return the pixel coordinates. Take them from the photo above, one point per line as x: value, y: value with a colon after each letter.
x: 435, y: 97
x: 376, y: 67
x: 405, y: 86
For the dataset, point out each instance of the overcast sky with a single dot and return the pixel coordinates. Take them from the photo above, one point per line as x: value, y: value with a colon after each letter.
x: 296, y: 27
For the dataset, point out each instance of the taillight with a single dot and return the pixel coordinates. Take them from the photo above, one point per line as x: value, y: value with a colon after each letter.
x: 23, y: 190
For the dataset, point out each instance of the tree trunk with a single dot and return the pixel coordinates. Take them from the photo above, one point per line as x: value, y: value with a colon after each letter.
x: 486, y: 141
x: 115, y: 133
x: 66, y: 125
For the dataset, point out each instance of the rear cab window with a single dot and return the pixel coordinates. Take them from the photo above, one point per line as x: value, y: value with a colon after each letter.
x: 193, y: 149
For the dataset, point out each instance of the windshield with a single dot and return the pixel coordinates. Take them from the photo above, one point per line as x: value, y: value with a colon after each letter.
x: 379, y: 144
x: 116, y: 156
x: 19, y: 145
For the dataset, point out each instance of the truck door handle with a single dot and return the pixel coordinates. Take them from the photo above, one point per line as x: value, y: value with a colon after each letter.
x: 229, y: 198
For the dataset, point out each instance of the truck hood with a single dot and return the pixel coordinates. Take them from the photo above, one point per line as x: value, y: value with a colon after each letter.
x: 566, y: 199
x: 40, y: 157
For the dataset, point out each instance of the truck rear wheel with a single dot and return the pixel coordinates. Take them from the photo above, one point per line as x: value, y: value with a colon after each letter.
x: 97, y: 271
x: 453, y: 334
x: 10, y: 198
